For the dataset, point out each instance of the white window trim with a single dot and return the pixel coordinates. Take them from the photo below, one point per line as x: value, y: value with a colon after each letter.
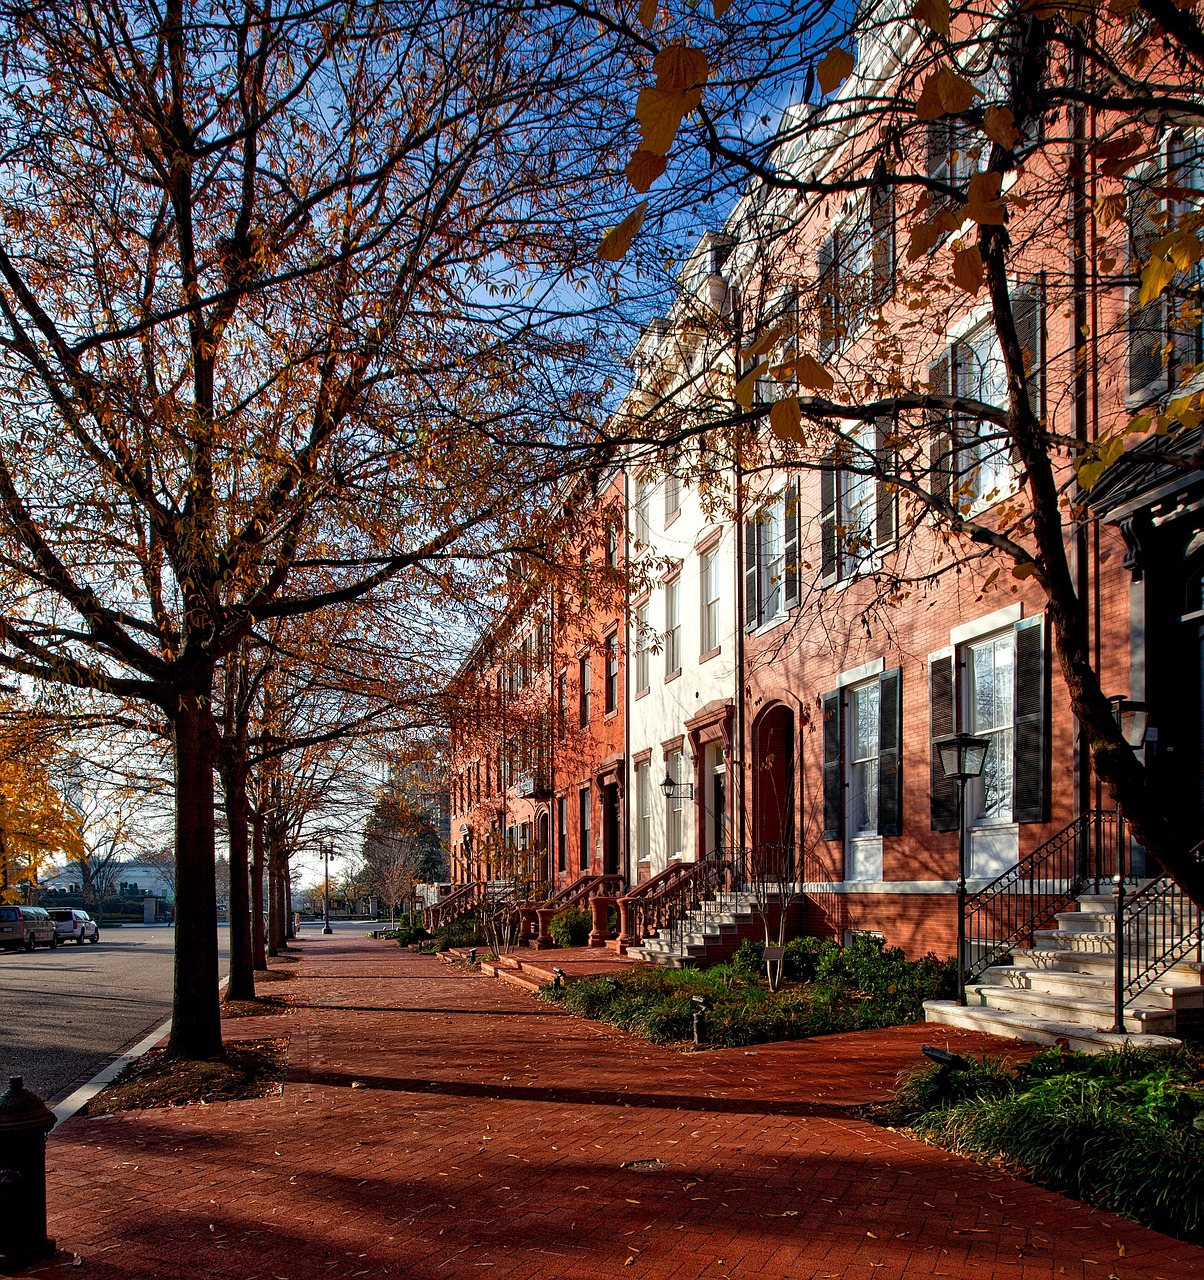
x: 1000, y: 620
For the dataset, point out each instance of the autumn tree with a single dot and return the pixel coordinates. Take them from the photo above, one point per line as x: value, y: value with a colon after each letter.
x: 1016, y: 149
x: 272, y: 331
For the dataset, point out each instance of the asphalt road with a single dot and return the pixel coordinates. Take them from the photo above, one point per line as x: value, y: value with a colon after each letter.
x: 65, y: 1014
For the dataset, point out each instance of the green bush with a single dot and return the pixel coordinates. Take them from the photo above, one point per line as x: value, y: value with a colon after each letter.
x: 571, y: 927
x: 844, y: 989
x: 461, y: 933
x: 1123, y: 1131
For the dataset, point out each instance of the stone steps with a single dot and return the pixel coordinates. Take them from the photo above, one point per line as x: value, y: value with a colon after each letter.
x: 1036, y: 1030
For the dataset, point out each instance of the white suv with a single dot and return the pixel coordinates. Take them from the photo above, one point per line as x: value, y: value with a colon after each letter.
x: 71, y: 922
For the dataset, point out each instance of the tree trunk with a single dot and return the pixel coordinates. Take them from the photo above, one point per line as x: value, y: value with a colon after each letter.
x: 242, y: 958
x: 258, y: 929
x: 196, y: 1028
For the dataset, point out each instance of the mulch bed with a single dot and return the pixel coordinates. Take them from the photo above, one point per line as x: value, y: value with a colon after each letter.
x: 260, y: 1007
x: 249, y: 1069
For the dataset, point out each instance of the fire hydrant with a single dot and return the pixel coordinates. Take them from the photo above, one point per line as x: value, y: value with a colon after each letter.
x: 25, y: 1120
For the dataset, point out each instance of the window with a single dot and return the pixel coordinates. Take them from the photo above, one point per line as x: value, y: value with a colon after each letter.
x: 855, y: 269
x: 858, y: 507
x: 583, y: 827
x: 562, y: 704
x: 672, y: 627
x: 675, y: 844
x: 672, y: 498
x: 990, y: 677
x: 771, y: 560
x: 643, y: 654
x: 708, y: 577
x: 1165, y: 333
x: 612, y: 548
x: 643, y: 801
x: 1004, y: 698
x: 642, y: 524
x: 583, y: 690
x: 612, y: 673
x: 862, y: 763
x: 562, y: 833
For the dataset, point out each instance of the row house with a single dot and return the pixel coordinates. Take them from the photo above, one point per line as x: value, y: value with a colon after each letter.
x: 796, y: 635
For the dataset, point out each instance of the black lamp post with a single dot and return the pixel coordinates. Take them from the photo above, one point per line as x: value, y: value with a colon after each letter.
x: 327, y: 854
x: 962, y: 758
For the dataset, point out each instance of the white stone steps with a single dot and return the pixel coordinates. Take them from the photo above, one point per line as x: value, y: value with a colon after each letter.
x: 1019, y: 1026
x: 1069, y: 1009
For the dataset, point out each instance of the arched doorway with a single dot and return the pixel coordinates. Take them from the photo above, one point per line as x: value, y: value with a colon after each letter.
x: 774, y: 786
x: 543, y: 850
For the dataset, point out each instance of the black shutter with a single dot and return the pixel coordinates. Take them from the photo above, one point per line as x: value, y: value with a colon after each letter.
x: 1027, y: 313
x: 1030, y: 736
x: 752, y: 611
x: 1147, y: 325
x: 940, y: 432
x: 833, y: 779
x: 791, y: 587
x: 886, y: 522
x: 940, y: 149
x: 890, y: 752
x: 829, y: 557
x: 942, y: 719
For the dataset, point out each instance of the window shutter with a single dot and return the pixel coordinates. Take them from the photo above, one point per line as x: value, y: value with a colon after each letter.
x: 1027, y: 311
x: 940, y: 149
x: 942, y: 719
x: 940, y: 432
x: 890, y: 752
x: 886, y: 522
x: 1030, y: 736
x: 882, y: 247
x: 829, y: 559
x: 1147, y: 325
x: 791, y: 586
x: 752, y: 612
x: 833, y: 779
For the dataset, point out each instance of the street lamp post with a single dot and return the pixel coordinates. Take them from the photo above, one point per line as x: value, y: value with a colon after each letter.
x: 327, y: 854
x: 962, y: 758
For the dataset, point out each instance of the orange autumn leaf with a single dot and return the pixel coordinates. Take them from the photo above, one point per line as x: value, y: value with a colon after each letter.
x: 643, y: 169
x: 999, y: 124
x: 1110, y: 208
x: 677, y: 66
x: 786, y: 420
x: 721, y: 7
x: 812, y: 374
x: 660, y: 113
x: 967, y: 270
x: 944, y: 93
x: 833, y: 69
x: 747, y: 385
x: 984, y: 205
x: 617, y: 241
x: 934, y: 14
x: 648, y: 12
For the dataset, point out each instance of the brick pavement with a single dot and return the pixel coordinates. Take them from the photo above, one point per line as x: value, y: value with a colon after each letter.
x: 438, y: 1125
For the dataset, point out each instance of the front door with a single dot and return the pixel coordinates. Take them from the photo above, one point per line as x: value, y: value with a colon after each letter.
x: 610, y: 829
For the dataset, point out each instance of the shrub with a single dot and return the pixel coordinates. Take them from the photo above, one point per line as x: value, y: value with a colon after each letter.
x: 571, y: 927
x: 1123, y: 1131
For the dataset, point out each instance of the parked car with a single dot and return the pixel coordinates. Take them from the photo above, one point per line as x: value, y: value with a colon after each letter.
x: 26, y: 927
x: 71, y: 922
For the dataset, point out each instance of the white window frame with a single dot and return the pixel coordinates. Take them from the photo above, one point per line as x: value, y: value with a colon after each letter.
x: 709, y: 595
x: 673, y: 626
x: 643, y: 800
x: 643, y: 650
x: 675, y: 808
x: 976, y: 817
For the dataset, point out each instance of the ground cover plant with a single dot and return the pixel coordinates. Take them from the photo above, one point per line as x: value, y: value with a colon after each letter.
x: 571, y: 927
x: 1123, y: 1131
x: 827, y: 988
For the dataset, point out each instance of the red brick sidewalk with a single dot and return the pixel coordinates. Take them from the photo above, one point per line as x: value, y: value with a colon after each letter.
x: 437, y: 1125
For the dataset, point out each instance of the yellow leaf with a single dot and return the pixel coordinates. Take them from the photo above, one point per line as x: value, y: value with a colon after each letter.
x: 834, y: 68
x: 812, y: 374
x: 721, y: 7
x: 648, y: 12
x: 967, y: 270
x: 1089, y: 473
x: 617, y: 241
x: 944, y: 93
x: 1110, y: 208
x: 1182, y: 247
x: 786, y: 420
x: 767, y: 341
x: 643, y: 169
x: 990, y: 578
x: 747, y: 385
x: 1025, y: 570
x: 1158, y: 273
x: 660, y: 113
x: 999, y: 125
x: 984, y: 205
x: 677, y: 66
x: 934, y: 14
x: 924, y: 238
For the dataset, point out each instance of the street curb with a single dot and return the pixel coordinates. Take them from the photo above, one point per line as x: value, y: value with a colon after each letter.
x: 76, y: 1101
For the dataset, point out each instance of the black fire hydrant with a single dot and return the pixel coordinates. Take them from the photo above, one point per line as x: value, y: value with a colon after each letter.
x: 25, y: 1120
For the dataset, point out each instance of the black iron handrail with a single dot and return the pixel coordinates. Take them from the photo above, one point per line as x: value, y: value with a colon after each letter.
x: 1156, y: 928
x: 1026, y: 898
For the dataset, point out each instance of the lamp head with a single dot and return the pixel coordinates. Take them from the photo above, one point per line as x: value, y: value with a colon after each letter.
x: 962, y: 755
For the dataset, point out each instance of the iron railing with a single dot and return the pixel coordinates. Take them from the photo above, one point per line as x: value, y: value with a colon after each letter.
x: 1006, y: 913
x: 581, y: 890
x: 1156, y: 928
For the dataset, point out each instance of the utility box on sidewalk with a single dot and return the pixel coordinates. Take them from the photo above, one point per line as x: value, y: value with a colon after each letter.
x: 25, y: 1120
